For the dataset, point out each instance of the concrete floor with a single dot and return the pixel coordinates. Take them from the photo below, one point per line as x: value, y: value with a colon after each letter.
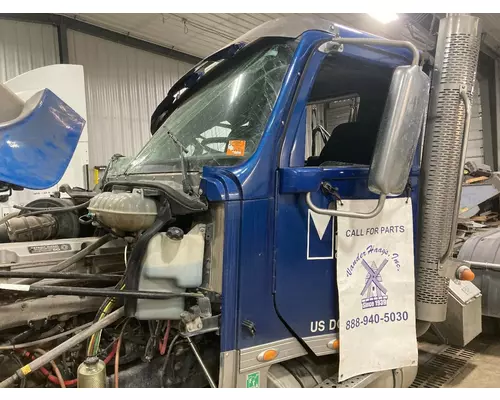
x: 483, y: 370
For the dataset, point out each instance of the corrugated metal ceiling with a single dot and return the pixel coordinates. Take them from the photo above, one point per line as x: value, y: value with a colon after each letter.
x: 202, y: 34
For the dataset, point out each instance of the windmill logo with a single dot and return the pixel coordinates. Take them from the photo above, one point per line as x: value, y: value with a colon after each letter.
x: 374, y: 294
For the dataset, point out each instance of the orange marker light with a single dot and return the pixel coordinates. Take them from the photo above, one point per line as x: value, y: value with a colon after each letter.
x: 333, y: 344
x: 268, y: 355
x: 464, y: 273
x: 467, y: 275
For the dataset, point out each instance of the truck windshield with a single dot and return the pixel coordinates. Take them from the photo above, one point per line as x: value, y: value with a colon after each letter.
x: 221, y: 123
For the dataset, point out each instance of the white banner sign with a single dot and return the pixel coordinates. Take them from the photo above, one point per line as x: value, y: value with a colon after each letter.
x: 375, y: 274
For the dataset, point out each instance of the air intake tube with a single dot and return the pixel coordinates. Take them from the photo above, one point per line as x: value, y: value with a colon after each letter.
x: 453, y: 81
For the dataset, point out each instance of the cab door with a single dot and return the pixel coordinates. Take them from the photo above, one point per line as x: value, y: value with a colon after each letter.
x: 305, y: 289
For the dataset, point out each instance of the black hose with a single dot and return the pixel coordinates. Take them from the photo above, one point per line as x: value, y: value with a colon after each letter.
x: 59, y: 275
x: 74, y: 258
x: 95, y: 292
x: 53, y: 209
x: 59, y: 328
x: 46, y: 339
x: 137, y: 254
x: 20, y: 336
x: 167, y: 357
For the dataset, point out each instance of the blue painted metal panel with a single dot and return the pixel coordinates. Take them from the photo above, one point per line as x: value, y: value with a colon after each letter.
x: 247, y: 292
x: 36, y: 148
x: 256, y: 301
x: 230, y: 287
x: 220, y: 185
x: 303, y: 180
x: 306, y: 289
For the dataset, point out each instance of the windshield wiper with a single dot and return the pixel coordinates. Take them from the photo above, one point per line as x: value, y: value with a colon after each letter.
x: 186, y: 185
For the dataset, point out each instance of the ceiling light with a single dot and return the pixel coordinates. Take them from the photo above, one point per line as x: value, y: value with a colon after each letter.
x: 385, y: 18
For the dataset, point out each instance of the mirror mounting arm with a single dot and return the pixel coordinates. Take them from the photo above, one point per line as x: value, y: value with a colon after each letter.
x: 333, y: 45
x: 349, y: 214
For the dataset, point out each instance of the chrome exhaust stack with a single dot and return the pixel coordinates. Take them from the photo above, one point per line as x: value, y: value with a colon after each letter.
x: 445, y: 143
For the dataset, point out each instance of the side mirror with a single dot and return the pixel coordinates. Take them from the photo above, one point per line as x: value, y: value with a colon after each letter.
x: 399, y: 131
x: 397, y: 140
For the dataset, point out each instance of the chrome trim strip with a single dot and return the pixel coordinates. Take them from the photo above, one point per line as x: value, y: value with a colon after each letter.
x: 287, y: 349
x: 319, y: 344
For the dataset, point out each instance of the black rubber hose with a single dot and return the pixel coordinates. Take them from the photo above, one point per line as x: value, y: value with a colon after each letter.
x: 73, y: 259
x: 95, y: 292
x: 53, y: 209
x: 59, y: 275
x: 163, y: 370
x: 59, y: 328
x: 136, y: 256
x: 45, y: 339
x: 20, y: 336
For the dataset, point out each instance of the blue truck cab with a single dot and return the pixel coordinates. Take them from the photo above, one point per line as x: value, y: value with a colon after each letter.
x: 280, y: 122
x: 261, y: 126
x: 246, y: 214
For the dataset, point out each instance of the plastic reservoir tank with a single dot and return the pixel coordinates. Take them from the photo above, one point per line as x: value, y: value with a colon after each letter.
x: 173, y: 262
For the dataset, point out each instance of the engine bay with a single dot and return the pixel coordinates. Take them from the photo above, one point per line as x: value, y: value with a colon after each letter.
x: 134, y: 257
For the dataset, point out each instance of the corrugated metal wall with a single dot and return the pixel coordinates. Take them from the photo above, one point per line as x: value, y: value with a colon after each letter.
x: 123, y: 85
x: 26, y: 46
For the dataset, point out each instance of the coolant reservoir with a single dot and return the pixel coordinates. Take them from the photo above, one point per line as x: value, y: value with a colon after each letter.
x: 123, y: 211
x: 173, y: 262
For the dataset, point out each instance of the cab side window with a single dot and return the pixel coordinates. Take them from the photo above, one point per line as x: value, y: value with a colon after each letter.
x: 324, y: 116
x: 344, y: 110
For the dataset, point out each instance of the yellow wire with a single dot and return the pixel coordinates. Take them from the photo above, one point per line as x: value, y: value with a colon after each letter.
x: 96, y: 337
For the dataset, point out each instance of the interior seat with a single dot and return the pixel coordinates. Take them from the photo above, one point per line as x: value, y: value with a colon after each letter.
x: 349, y: 143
